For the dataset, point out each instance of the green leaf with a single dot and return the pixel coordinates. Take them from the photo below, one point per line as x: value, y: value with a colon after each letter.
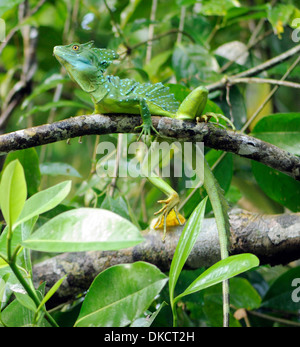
x: 117, y: 205
x: 26, y: 301
x: 278, y: 186
x: 185, y: 244
x: 44, y: 201
x: 281, y: 129
x: 7, y: 5
x: 54, y: 104
x: 120, y: 294
x: 146, y: 322
x: 158, y: 67
x: 237, y: 106
x: 284, y: 294
x: 280, y: 14
x: 16, y: 315
x: 193, y: 60
x: 84, y: 229
x: 217, y: 8
x: 213, y: 307
x: 30, y: 162
x: 52, y: 291
x: 221, y: 271
x: 3, y: 280
x: 243, y: 294
x: 55, y: 169
x: 49, y: 83
x: 13, y: 192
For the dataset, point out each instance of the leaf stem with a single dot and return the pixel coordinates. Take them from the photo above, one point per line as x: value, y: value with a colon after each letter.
x: 30, y: 291
x: 11, y: 260
x: 213, y: 190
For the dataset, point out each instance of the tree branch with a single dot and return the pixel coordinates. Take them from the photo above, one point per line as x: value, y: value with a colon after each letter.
x: 257, y: 69
x: 212, y: 136
x: 274, y: 239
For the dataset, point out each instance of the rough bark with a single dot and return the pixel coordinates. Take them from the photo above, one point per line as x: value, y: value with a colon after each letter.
x: 212, y: 136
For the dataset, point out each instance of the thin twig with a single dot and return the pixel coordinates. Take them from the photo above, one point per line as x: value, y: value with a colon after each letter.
x: 247, y: 48
x: 116, y: 25
x: 273, y: 91
x: 117, y: 164
x: 251, y: 80
x: 16, y: 94
x: 274, y: 319
x: 17, y: 27
x: 151, y: 31
x: 257, y: 69
x: 158, y: 37
x: 181, y: 24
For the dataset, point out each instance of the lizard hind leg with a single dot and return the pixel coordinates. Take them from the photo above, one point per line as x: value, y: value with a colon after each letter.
x: 168, y: 215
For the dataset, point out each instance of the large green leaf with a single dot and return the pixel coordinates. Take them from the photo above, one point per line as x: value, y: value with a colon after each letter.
x: 84, y: 229
x: 278, y: 186
x: 13, y: 191
x: 121, y: 294
x: 30, y: 162
x: 284, y: 293
x: 6, y: 5
x: 193, y: 60
x: 49, y: 83
x: 44, y: 201
x: 56, y: 168
x: 243, y: 294
x: 281, y: 129
x: 18, y: 315
x: 54, y: 104
x: 185, y: 244
x: 221, y: 271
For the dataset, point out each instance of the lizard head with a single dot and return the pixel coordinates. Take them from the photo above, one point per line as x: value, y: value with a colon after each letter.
x: 85, y: 64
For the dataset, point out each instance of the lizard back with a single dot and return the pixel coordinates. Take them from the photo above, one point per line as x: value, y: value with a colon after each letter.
x: 157, y: 93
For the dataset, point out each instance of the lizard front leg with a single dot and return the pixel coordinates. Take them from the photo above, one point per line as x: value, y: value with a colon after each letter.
x: 146, y: 118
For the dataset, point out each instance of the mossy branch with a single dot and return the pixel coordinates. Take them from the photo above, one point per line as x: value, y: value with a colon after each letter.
x: 212, y: 136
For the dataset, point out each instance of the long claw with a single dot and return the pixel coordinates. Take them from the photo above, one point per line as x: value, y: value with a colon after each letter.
x: 146, y: 130
x: 171, y: 203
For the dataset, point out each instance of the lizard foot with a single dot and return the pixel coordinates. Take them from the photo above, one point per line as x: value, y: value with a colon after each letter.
x: 206, y: 117
x: 168, y: 214
x: 146, y: 130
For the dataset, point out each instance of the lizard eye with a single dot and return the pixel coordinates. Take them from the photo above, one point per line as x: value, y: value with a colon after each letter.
x: 75, y: 48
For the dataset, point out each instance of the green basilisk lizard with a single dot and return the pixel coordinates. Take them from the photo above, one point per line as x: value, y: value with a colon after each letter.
x: 110, y: 94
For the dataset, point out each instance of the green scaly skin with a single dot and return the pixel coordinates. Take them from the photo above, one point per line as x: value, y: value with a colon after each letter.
x: 110, y: 94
